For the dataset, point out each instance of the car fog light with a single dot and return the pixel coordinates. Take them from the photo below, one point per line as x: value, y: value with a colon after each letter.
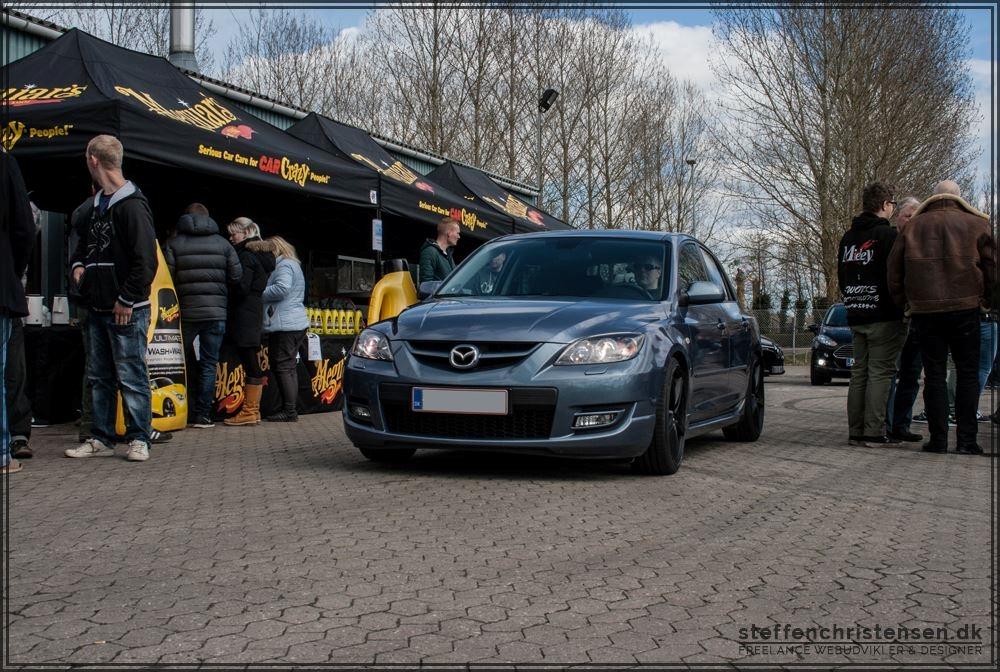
x: 359, y: 411
x: 821, y: 362
x: 592, y: 420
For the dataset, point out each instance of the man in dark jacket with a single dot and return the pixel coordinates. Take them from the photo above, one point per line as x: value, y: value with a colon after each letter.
x: 944, y: 266
x: 436, y: 260
x: 876, y: 321
x: 17, y: 234
x: 112, y: 270
x: 202, y: 264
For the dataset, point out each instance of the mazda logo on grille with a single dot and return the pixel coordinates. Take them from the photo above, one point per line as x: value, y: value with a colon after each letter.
x: 464, y: 356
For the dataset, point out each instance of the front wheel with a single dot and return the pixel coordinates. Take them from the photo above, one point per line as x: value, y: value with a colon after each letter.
x: 816, y: 377
x: 168, y: 408
x: 751, y: 422
x: 388, y: 454
x: 666, y: 450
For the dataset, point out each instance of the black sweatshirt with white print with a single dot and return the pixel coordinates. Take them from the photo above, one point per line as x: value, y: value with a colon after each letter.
x: 861, y: 270
x: 117, y: 250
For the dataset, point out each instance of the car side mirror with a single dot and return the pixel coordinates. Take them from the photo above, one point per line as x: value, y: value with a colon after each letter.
x: 813, y: 328
x: 702, y: 292
x: 427, y: 288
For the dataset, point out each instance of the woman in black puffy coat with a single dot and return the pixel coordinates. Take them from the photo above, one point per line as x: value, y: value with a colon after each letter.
x: 246, y: 312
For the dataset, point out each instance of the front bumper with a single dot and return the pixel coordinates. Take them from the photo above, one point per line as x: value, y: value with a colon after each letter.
x: 832, y: 365
x: 544, y: 402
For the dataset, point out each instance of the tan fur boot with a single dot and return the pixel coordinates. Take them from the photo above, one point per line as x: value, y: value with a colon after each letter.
x: 250, y: 412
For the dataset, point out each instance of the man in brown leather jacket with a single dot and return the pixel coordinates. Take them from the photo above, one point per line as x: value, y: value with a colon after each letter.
x: 944, y: 266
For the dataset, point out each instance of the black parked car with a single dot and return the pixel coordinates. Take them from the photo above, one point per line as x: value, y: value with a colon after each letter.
x: 833, y: 347
x: 772, y: 357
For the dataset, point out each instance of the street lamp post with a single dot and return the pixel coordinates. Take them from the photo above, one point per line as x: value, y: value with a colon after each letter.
x: 691, y: 163
x: 544, y: 103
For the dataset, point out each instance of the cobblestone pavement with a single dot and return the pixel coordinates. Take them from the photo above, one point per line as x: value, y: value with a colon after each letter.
x: 282, y: 544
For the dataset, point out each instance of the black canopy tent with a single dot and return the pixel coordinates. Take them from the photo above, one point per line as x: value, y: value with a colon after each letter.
x: 404, y: 193
x: 56, y: 99
x: 469, y: 182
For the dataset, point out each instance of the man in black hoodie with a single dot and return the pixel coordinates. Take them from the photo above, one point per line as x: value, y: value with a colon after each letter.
x: 17, y: 235
x: 875, y: 320
x: 112, y: 270
x: 202, y: 264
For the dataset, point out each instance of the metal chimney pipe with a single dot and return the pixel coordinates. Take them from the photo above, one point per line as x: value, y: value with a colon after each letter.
x: 182, y: 35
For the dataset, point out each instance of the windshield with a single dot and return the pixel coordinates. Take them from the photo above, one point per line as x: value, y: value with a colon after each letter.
x: 837, y: 317
x: 606, y: 268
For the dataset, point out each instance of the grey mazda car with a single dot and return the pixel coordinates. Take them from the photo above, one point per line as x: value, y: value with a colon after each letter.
x: 587, y: 344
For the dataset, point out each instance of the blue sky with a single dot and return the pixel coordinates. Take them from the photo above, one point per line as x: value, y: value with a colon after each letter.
x: 682, y: 36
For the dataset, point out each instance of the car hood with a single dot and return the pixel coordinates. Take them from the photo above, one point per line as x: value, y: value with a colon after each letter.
x: 839, y: 334
x: 549, y: 320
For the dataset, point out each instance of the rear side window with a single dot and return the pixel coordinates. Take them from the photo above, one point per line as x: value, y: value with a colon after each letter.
x: 691, y: 266
x: 716, y: 274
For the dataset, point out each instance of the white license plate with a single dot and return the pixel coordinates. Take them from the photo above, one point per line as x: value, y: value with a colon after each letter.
x: 777, y: 368
x: 850, y: 362
x: 454, y: 400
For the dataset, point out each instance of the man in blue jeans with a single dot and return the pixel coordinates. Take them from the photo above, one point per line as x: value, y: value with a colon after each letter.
x: 17, y: 235
x: 113, y: 267
x: 203, y: 264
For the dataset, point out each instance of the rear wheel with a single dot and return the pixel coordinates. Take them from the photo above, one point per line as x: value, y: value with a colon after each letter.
x: 388, y: 454
x: 168, y: 408
x: 666, y: 450
x: 751, y: 422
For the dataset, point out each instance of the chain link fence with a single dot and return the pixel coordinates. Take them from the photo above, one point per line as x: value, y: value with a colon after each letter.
x: 790, y: 329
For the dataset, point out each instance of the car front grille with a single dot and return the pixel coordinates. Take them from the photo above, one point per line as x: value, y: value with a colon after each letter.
x: 532, y: 411
x: 492, y: 354
x: 844, y: 352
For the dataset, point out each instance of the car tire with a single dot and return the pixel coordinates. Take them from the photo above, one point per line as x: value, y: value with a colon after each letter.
x: 665, y: 453
x: 168, y: 408
x: 817, y: 378
x: 388, y: 455
x: 751, y: 423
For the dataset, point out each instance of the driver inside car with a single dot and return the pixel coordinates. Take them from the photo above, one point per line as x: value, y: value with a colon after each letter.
x: 647, y: 274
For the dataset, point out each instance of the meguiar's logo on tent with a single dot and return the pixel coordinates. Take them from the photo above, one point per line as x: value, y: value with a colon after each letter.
x: 396, y: 171
x: 229, y: 387
x: 207, y: 114
x: 327, y: 381
x: 30, y: 94
x: 12, y: 132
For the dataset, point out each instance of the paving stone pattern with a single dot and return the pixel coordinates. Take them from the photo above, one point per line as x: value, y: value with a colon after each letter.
x: 281, y: 544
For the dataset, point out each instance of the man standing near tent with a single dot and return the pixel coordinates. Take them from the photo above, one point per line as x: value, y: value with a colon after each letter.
x: 202, y: 264
x: 113, y: 268
x: 436, y: 260
x: 17, y: 235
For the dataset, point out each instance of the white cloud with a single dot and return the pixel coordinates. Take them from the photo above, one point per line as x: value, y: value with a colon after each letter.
x: 985, y: 86
x: 685, y: 50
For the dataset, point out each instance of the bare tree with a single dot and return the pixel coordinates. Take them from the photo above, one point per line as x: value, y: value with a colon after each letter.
x: 133, y: 25
x: 824, y: 99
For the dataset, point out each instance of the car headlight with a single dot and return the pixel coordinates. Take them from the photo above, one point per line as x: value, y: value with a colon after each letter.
x: 601, y: 350
x: 823, y: 339
x: 372, y: 344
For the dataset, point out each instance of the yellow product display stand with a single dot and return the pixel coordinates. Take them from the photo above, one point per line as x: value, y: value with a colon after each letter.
x: 164, y: 356
x: 391, y: 295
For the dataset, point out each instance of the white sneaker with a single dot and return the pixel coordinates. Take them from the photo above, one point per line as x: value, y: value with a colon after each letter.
x: 90, y: 448
x: 138, y: 451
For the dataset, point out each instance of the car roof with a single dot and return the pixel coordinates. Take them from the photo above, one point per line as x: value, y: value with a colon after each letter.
x: 602, y: 233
